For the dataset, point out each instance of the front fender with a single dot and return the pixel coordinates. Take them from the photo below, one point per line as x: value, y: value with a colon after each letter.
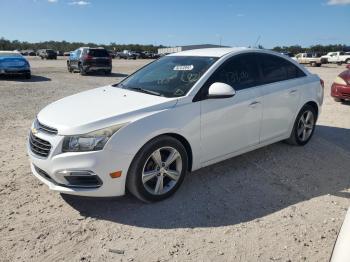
x: 183, y: 120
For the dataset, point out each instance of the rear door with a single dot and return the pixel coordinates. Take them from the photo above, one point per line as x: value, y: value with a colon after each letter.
x: 282, y: 83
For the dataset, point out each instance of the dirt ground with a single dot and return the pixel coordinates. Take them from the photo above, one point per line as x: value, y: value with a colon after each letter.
x: 278, y: 203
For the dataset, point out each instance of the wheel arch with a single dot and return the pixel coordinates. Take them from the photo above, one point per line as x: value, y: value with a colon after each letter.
x: 182, y: 140
x: 314, y: 105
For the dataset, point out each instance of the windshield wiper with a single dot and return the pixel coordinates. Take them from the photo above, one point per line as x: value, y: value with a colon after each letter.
x: 146, y: 91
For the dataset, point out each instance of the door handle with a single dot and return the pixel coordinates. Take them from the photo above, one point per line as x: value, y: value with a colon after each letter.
x: 254, y: 103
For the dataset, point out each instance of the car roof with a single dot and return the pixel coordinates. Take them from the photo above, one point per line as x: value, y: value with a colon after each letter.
x: 212, y: 52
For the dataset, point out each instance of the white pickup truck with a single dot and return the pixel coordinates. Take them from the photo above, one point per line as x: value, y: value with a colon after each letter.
x: 337, y: 57
x: 309, y: 59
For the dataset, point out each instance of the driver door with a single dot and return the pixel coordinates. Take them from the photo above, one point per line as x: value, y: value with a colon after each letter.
x: 231, y: 124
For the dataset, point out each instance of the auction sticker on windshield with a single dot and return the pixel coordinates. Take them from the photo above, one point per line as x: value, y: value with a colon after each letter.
x: 183, y: 67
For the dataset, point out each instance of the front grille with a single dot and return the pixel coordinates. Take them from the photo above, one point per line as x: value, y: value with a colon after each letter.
x: 39, y: 146
x: 46, y: 129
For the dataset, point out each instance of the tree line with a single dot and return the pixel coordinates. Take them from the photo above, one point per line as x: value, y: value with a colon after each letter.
x: 320, y: 49
x: 65, y: 46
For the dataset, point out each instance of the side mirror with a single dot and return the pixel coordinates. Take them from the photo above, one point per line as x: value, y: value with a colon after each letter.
x: 220, y: 90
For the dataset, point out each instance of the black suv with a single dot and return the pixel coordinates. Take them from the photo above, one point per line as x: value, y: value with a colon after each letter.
x: 87, y: 59
x: 47, y: 54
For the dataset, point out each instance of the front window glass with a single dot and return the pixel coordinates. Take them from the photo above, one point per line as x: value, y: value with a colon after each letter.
x: 170, y: 76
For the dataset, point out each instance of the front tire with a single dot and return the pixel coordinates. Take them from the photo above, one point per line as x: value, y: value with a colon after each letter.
x: 81, y: 70
x: 158, y: 169
x: 304, y: 126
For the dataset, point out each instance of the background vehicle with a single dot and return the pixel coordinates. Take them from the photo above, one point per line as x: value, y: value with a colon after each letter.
x: 341, y: 251
x: 127, y: 54
x: 143, y: 132
x: 47, y: 54
x: 111, y: 53
x: 87, y: 60
x: 66, y: 53
x: 287, y: 54
x: 337, y: 57
x: 28, y: 52
x: 309, y: 59
x: 13, y: 63
x: 340, y: 89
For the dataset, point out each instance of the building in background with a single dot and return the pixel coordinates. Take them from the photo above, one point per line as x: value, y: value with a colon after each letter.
x: 169, y: 50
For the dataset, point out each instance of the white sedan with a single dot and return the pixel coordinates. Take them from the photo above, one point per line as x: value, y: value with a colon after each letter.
x: 178, y: 114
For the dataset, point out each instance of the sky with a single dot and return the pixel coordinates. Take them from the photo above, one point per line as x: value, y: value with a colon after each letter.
x: 178, y: 22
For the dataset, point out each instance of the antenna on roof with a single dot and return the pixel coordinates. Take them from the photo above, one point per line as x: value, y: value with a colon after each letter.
x: 257, y: 41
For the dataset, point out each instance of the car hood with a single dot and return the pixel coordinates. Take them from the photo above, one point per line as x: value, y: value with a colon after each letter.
x: 101, y: 107
x: 346, y: 76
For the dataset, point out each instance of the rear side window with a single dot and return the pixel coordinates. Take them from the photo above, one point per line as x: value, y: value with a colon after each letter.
x: 275, y: 69
x: 240, y: 72
x: 98, y: 52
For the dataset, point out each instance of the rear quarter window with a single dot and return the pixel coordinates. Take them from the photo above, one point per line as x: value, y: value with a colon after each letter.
x: 275, y: 69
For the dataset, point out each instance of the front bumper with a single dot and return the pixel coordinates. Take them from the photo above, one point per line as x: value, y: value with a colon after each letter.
x: 100, y: 163
x: 14, y: 71
x: 97, y: 68
x: 340, y: 91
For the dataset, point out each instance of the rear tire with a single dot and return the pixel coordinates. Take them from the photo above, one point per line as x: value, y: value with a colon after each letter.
x: 304, y: 126
x: 150, y: 178
x: 108, y: 72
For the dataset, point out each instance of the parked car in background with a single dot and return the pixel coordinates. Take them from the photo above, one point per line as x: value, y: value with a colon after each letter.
x: 341, y: 252
x: 337, y: 58
x: 287, y: 54
x: 86, y: 59
x: 13, y: 63
x: 28, y: 52
x: 340, y: 89
x: 47, y: 54
x: 309, y: 59
x: 127, y: 54
x: 143, y: 133
x: 67, y: 53
x: 59, y: 53
x: 111, y: 53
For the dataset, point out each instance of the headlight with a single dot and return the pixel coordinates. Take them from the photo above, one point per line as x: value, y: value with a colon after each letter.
x: 339, y: 81
x: 93, y: 141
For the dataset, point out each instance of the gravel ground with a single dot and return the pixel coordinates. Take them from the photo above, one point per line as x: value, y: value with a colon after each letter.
x: 278, y: 203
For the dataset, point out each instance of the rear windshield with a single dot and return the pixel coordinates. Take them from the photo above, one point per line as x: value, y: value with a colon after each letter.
x: 7, y: 54
x: 98, y: 52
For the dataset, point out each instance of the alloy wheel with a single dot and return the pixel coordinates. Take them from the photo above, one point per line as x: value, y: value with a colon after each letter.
x: 305, y: 126
x: 162, y: 170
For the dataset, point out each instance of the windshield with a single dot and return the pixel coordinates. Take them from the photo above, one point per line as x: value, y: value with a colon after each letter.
x: 170, y: 76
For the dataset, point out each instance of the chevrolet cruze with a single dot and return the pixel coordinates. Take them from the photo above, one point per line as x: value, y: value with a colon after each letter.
x: 178, y: 114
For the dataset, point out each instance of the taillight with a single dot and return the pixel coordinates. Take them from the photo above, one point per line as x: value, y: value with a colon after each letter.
x: 322, y: 83
x: 88, y: 57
